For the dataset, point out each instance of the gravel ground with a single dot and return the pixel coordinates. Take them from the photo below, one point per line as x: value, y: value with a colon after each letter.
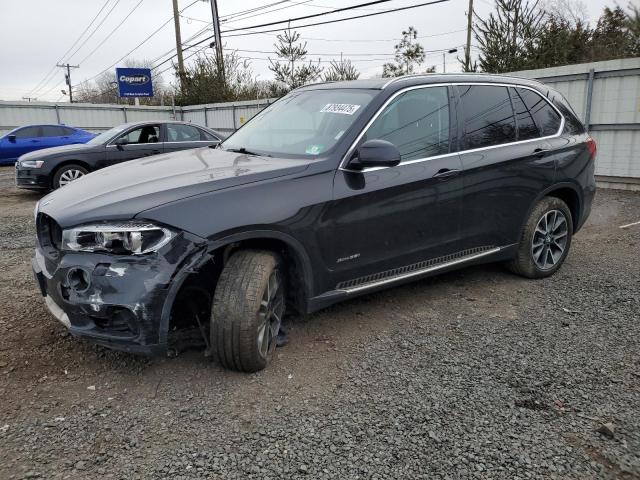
x: 473, y: 374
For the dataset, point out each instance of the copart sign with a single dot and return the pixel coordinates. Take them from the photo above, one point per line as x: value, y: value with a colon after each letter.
x: 134, y: 82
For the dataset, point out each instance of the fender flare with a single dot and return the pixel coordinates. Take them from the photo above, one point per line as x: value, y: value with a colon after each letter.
x: 556, y: 186
x: 296, y: 246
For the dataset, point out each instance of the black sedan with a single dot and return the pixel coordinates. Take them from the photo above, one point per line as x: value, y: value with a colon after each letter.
x: 55, y: 167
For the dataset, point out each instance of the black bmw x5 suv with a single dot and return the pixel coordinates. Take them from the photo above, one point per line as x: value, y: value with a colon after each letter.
x: 333, y: 191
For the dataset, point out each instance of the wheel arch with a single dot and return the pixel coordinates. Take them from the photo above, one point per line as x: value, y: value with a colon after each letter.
x: 64, y: 163
x: 569, y: 193
x: 296, y: 258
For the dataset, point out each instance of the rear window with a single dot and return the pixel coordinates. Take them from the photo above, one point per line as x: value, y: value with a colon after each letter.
x: 488, y: 116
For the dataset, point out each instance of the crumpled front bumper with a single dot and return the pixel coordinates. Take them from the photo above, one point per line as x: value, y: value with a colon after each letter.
x: 121, y: 302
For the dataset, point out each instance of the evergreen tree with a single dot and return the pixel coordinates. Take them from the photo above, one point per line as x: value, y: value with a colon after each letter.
x: 293, y: 71
x: 409, y: 53
x: 612, y: 38
x: 341, y: 70
x: 508, y: 36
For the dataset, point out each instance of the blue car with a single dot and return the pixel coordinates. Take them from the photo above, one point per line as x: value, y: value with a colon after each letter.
x: 23, y: 140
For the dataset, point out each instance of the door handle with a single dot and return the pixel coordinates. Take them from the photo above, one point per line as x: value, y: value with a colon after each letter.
x: 155, y: 152
x: 540, y: 152
x: 446, y: 173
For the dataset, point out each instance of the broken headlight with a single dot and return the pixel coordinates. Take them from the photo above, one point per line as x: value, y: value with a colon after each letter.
x: 125, y: 238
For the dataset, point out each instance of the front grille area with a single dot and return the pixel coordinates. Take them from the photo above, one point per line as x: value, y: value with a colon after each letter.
x: 49, y: 232
x: 119, y: 322
x: 407, y: 269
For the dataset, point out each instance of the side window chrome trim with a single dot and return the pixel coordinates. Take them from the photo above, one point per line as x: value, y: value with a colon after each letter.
x: 345, y: 158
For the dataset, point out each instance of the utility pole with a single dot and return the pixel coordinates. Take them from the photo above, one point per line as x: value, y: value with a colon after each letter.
x: 67, y: 78
x: 218, y: 38
x: 176, y: 21
x: 467, y: 50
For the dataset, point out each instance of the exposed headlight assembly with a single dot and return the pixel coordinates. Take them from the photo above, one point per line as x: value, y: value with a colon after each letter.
x: 125, y: 238
x: 31, y: 163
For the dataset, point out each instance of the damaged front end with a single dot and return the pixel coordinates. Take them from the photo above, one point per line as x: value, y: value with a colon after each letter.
x: 106, y: 284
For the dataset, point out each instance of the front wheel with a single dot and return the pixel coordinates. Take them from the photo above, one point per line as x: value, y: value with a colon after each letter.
x: 545, y: 240
x: 68, y: 174
x: 248, y: 306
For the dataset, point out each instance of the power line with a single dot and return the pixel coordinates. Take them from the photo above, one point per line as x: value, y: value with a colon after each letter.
x: 369, y: 40
x: 305, y: 17
x: 155, y: 32
x: 439, y: 50
x: 295, y: 4
x: 325, y: 22
x: 94, y: 30
x: 318, y: 23
x: 251, y: 10
x: 46, y: 79
x: 112, y: 32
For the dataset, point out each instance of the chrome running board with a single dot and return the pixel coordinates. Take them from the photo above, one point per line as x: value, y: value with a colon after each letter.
x: 414, y: 270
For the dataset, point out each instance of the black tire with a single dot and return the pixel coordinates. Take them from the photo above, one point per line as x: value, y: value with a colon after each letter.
x: 239, y: 314
x: 71, y: 169
x: 531, y: 261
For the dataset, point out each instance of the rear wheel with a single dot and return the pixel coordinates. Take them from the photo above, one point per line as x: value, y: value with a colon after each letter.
x: 545, y: 240
x: 67, y: 174
x: 248, y: 306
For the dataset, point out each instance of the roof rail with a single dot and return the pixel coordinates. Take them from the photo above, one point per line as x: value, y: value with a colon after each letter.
x: 403, y: 77
x: 415, y: 75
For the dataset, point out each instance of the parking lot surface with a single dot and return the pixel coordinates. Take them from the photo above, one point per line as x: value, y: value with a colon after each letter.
x: 472, y: 374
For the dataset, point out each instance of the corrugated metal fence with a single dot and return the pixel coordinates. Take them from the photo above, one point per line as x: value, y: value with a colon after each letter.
x: 225, y: 117
x: 606, y: 97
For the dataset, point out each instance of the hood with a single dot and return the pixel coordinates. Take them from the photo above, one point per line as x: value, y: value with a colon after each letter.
x: 55, y: 151
x: 124, y: 190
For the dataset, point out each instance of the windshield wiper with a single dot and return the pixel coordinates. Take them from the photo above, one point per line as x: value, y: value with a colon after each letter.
x: 246, y: 152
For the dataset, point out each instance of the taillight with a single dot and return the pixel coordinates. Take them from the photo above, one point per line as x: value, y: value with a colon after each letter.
x: 591, y: 147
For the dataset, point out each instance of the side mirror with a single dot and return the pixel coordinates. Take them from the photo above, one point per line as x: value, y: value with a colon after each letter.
x: 121, y: 142
x: 11, y: 138
x: 375, y: 153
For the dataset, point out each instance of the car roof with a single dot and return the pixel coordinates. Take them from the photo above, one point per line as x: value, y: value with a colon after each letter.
x: 423, y: 79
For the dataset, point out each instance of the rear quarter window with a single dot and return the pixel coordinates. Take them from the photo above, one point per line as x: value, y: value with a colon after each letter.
x: 546, y: 118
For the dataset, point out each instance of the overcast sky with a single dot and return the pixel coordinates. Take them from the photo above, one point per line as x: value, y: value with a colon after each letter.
x: 37, y: 33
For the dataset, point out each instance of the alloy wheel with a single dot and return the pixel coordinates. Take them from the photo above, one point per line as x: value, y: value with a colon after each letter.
x: 69, y: 176
x: 271, y: 312
x: 549, y: 239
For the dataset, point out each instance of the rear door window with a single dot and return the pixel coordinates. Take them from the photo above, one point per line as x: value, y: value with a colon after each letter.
x: 28, y: 132
x: 182, y: 133
x: 546, y: 118
x: 52, y: 131
x: 488, y: 116
x: 416, y: 122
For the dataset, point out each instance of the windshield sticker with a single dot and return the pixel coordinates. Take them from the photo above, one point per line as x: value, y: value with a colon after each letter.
x: 313, y: 149
x: 344, y: 108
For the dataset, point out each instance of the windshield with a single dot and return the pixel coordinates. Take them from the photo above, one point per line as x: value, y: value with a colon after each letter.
x: 307, y: 122
x: 106, y: 135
